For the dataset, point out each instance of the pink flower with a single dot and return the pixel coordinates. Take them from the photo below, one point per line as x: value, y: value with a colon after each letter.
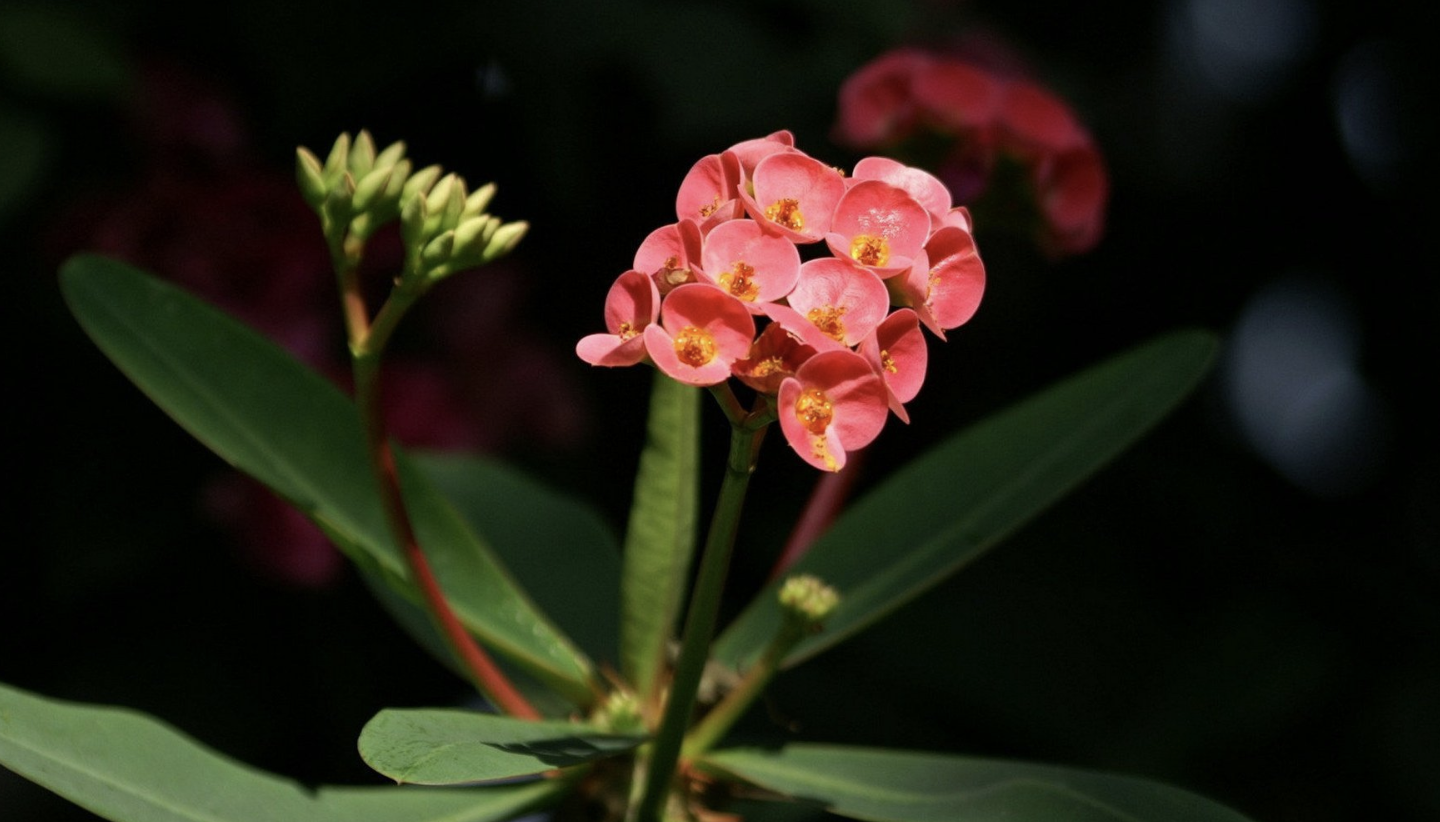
x: 877, y: 102
x: 632, y: 304
x: 835, y: 403
x: 844, y: 301
x: 794, y: 195
x: 946, y: 283
x: 775, y: 355
x: 749, y: 264
x: 702, y: 332
x: 879, y: 226
x: 670, y: 254
x: 987, y: 117
x: 707, y: 194
x: 925, y: 187
x: 897, y: 353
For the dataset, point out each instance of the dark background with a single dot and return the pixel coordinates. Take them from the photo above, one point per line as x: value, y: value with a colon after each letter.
x: 1247, y: 604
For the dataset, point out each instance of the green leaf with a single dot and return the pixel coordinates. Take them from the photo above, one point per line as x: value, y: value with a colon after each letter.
x: 951, y: 505
x: 905, y: 786
x: 448, y: 747
x: 558, y: 548
x: 276, y: 420
x: 128, y: 767
x: 660, y: 539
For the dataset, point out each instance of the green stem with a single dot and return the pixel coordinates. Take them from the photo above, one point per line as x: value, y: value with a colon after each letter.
x: 699, y: 624
x: 718, y: 722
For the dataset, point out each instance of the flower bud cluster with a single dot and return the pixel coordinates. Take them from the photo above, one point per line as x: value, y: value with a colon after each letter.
x: 808, y: 599
x: 723, y: 291
x: 445, y: 226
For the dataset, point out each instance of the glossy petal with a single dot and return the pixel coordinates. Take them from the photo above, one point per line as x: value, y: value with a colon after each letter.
x: 835, y: 403
x: 707, y: 194
x: 898, y: 354
x: 701, y: 333
x: 632, y: 304
x: 925, y: 187
x: 748, y: 263
x: 879, y: 226
x: 670, y: 254
x: 794, y: 195
x: 956, y: 280
x: 843, y: 300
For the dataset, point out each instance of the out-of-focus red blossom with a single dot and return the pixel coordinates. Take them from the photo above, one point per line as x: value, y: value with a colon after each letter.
x: 204, y: 212
x: 985, y: 117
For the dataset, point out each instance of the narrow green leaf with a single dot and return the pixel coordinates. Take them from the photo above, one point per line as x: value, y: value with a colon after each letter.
x: 558, y: 548
x: 448, y: 747
x: 660, y: 539
x: 271, y: 417
x: 128, y: 767
x: 906, y: 786
x: 949, y: 506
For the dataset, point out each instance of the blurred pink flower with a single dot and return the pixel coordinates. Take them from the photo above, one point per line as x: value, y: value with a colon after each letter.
x: 908, y: 97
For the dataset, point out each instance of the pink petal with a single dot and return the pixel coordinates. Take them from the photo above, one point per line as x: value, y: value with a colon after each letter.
x: 748, y: 263
x: 775, y: 355
x: 611, y: 350
x: 898, y: 353
x: 879, y: 226
x: 834, y: 403
x: 794, y: 195
x: 877, y: 104
x: 706, y: 307
x: 958, y: 95
x: 956, y: 280
x: 841, y: 299
x: 708, y: 192
x: 925, y: 187
x: 662, y: 349
x: 1034, y: 120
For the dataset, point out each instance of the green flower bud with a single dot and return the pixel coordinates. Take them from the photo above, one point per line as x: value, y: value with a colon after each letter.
x: 504, y: 240
x: 335, y: 164
x: 477, y: 201
x: 437, y: 251
x: 436, y: 203
x: 419, y: 183
x: 371, y: 187
x: 362, y: 154
x: 472, y: 236
x: 621, y: 713
x: 310, y: 176
x: 391, y: 155
x: 398, y: 178
x: 413, y: 216
x: 807, y: 599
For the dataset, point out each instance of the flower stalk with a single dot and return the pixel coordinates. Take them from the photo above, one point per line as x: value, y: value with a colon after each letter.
x: 700, y: 622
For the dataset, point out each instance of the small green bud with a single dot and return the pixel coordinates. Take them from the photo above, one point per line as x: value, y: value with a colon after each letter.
x: 807, y: 598
x: 477, y: 201
x: 454, y: 205
x: 620, y: 713
x: 419, y: 183
x: 362, y: 154
x: 335, y: 164
x: 398, y: 178
x: 472, y: 237
x: 371, y: 187
x: 413, y: 215
x: 435, y: 204
x: 310, y: 176
x: 504, y: 240
x: 391, y: 155
x: 437, y: 251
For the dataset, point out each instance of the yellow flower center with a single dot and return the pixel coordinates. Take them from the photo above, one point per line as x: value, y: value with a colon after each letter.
x: 672, y: 274
x: 627, y: 331
x: 888, y: 362
x: 786, y: 212
x: 869, y: 249
x: 768, y: 366
x: 694, y: 346
x: 706, y: 211
x: 814, y: 411
x: 737, y: 281
x: 827, y: 319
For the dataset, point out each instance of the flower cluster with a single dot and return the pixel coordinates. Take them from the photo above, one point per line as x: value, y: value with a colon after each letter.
x: 983, y: 117
x: 829, y: 352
